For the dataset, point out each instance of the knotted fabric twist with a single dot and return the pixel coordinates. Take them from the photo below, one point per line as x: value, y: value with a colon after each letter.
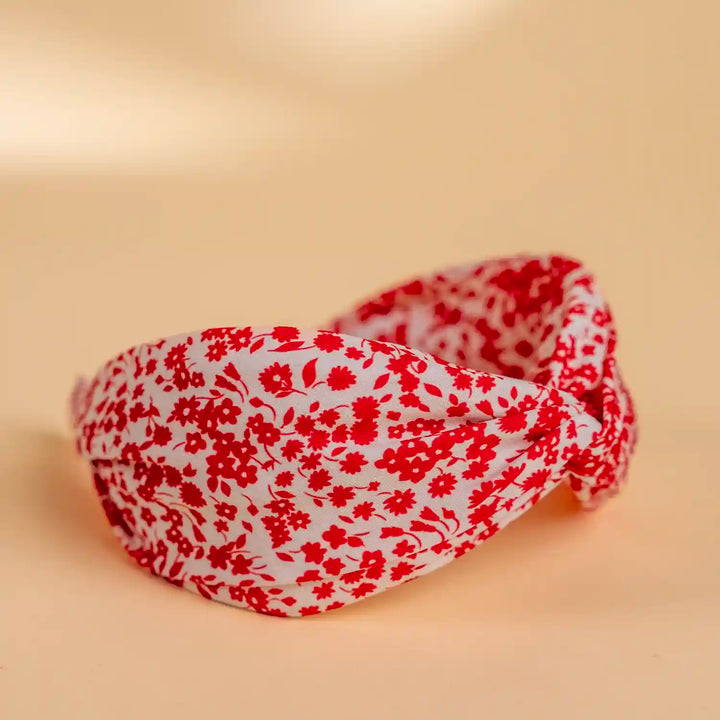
x: 294, y: 471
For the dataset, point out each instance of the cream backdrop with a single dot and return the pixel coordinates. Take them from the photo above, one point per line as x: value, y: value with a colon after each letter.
x: 165, y: 168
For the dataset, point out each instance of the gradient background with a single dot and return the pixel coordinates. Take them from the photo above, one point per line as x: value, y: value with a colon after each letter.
x: 166, y: 167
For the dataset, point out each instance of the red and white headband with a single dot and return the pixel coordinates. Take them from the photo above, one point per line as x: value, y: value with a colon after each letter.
x: 294, y: 471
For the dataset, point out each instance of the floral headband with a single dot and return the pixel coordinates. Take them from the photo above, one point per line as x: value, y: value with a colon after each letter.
x: 295, y: 471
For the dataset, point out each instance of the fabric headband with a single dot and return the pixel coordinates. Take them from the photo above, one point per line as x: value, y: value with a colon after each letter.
x: 295, y: 471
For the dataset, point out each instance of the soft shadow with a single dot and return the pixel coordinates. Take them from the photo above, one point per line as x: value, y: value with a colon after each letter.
x: 51, y: 493
x: 474, y: 585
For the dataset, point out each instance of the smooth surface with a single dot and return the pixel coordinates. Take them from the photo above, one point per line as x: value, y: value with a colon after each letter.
x: 162, y: 174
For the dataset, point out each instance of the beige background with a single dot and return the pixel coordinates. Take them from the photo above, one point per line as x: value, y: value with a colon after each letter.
x: 166, y: 167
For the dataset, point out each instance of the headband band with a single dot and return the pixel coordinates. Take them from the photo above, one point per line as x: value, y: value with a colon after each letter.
x: 294, y: 471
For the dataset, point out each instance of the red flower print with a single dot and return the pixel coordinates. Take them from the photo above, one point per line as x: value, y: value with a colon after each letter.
x: 284, y: 479
x: 352, y: 463
x: 364, y: 510
x: 403, y: 548
x: 185, y: 410
x: 401, y: 570
x: 243, y: 451
x: 458, y: 410
x: 339, y: 434
x: 304, y: 425
x: 280, y: 506
x: 318, y: 439
x: 276, y: 379
x: 366, y: 408
x: 162, y: 435
x: 333, y: 566
x: 442, y: 485
x: 175, y: 357
x: 318, y: 480
x: 216, y: 350
x: 310, y: 610
x: 373, y: 563
x: 329, y: 417
x: 536, y: 480
x: 285, y: 334
x: 267, y: 433
x: 484, y: 382
x: 191, y: 495
x: 341, y: 378
x: 340, y: 495
x: 483, y: 513
x: 241, y: 565
x: 310, y: 461
x: 222, y: 465
x: 425, y: 426
x: 225, y: 510
x: 239, y: 338
x: 324, y: 591
x: 362, y: 590
x: 475, y: 470
x: 335, y: 536
x: 513, y: 422
x: 399, y: 502
x: 246, y: 475
x: 221, y: 526
x: 327, y: 342
x: 364, y: 431
x: 298, y: 520
x: 219, y: 557
x: 277, y: 529
x: 227, y: 412
x: 314, y: 552
x: 292, y: 449
x: 257, y: 599
x: 181, y: 378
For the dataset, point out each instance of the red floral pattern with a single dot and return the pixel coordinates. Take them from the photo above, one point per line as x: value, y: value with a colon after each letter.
x: 291, y: 471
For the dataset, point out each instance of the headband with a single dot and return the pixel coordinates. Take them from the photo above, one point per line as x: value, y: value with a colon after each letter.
x: 294, y: 471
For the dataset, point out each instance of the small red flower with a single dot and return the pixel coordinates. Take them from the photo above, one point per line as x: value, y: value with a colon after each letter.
x: 185, y: 410
x: 401, y: 570
x: 335, y: 536
x: 324, y: 591
x: 341, y: 378
x: 327, y: 342
x: 442, y: 485
x: 284, y: 333
x: 366, y: 408
x: 226, y: 510
x: 318, y: 480
x: 352, y: 463
x: 340, y: 495
x: 314, y: 552
x: 246, y: 475
x: 276, y: 378
x: 373, y: 563
x: 400, y: 502
x: 216, y: 350
x: 284, y: 479
x: 364, y: 510
x: 513, y: 422
x: 333, y: 566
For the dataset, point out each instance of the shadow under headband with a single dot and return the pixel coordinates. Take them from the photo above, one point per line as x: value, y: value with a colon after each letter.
x: 294, y: 471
